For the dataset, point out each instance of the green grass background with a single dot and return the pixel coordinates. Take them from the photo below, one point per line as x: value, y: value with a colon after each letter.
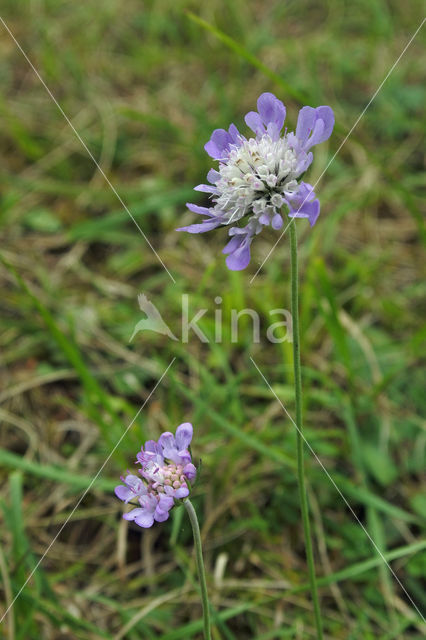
x: 144, y: 83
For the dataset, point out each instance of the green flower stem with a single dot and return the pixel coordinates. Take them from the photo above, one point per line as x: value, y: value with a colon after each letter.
x: 300, y: 442
x: 200, y: 566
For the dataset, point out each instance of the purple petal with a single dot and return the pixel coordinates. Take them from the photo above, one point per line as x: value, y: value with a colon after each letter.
x: 205, y: 188
x: 314, y: 212
x: 272, y: 111
x: 195, y: 208
x: 235, y: 135
x: 133, y: 487
x: 218, y: 145
x: 304, y: 161
x: 161, y: 516
x: 135, y: 483
x: 213, y: 176
x: 277, y: 221
x: 162, y: 511
x: 183, y: 492
x: 317, y: 134
x: 303, y: 204
x: 240, y: 258
x: 254, y: 122
x: 143, y: 516
x: 201, y: 228
x: 305, y: 193
x: 184, y: 434
x: 134, y: 513
x: 166, y: 440
x: 170, y: 450
x: 212, y: 150
x: 233, y: 244
x: 145, y: 457
x: 184, y: 457
x: 124, y: 493
x: 314, y: 125
x: 145, y: 519
x: 152, y: 446
x: 190, y: 471
x: 327, y: 116
x: 221, y: 138
x: 234, y: 231
x: 309, y: 210
x: 305, y: 123
x: 270, y: 118
x: 165, y: 503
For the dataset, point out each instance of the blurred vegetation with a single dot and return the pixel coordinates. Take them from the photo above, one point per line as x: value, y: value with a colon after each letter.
x: 144, y: 83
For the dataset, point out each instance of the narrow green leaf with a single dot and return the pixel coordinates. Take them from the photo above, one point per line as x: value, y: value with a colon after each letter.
x: 51, y: 472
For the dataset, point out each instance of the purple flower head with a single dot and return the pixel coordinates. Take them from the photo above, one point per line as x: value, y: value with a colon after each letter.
x: 256, y: 177
x: 166, y: 472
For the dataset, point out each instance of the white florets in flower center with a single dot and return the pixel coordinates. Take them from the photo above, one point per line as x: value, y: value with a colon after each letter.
x: 168, y: 475
x: 255, y: 177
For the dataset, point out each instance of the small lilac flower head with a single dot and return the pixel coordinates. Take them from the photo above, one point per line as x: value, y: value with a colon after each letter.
x: 166, y: 471
x: 256, y: 177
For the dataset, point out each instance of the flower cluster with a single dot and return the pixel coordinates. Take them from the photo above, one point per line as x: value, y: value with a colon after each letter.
x: 165, y: 475
x: 257, y: 176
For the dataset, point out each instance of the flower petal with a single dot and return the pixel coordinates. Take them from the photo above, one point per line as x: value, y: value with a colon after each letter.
x: 124, y: 493
x: 305, y: 123
x: 161, y: 516
x: 273, y: 112
x: 317, y: 134
x: 195, y: 208
x: 304, y: 162
x: 133, y: 487
x: 235, y: 135
x: 277, y: 222
x: 152, y: 446
x: 327, y: 116
x: 207, y: 225
x: 184, y: 434
x: 190, y: 471
x: 314, y: 126
x: 310, y: 210
x: 134, y: 513
x: 218, y: 145
x: 166, y: 440
x: 145, y: 519
x: 240, y: 258
x: 206, y: 188
x: 165, y: 504
x: 254, y: 122
x: 170, y: 450
x: 233, y: 244
x: 213, y: 176
x: 303, y: 203
x: 183, y: 492
x: 270, y: 117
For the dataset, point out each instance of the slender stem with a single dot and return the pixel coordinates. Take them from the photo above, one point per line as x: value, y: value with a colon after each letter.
x: 200, y: 566
x: 300, y: 442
